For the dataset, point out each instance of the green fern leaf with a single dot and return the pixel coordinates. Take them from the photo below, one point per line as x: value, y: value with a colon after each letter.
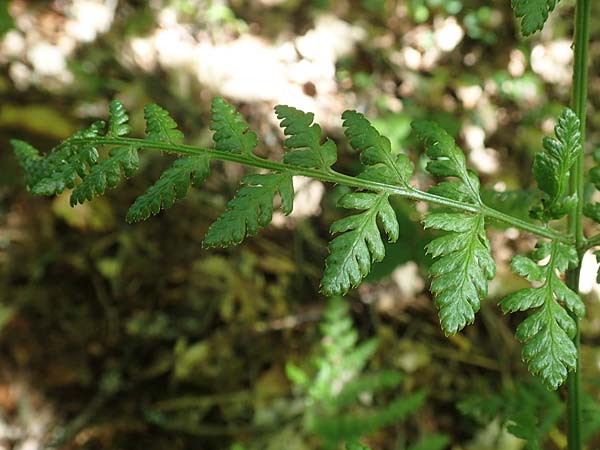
x: 231, y: 130
x: 29, y: 159
x: 172, y: 185
x: 447, y: 160
x: 305, y: 140
x: 462, y: 267
x: 551, y: 167
x: 117, y: 120
x: 160, y: 126
x: 533, y: 13
x: 250, y: 209
x: 61, y: 168
x: 376, y: 151
x: 359, y: 243
x: 107, y: 174
x: 547, y: 333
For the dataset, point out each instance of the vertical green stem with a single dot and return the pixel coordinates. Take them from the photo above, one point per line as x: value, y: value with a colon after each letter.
x: 579, y: 100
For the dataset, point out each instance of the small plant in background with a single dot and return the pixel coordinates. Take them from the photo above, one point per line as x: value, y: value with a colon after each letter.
x: 463, y: 262
x: 528, y: 411
x: 341, y: 397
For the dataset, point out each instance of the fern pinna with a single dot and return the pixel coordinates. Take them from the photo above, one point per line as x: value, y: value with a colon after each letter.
x: 463, y: 263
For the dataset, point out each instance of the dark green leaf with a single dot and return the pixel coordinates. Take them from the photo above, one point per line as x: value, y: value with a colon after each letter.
x: 533, y: 13
x: 376, y: 151
x: 107, y: 174
x: 232, y: 133
x: 359, y: 243
x: 547, y: 333
x: 305, y: 140
x: 462, y: 267
x: 250, y: 209
x: 447, y: 160
x: 551, y: 167
x: 172, y: 185
x: 117, y: 120
x: 160, y: 126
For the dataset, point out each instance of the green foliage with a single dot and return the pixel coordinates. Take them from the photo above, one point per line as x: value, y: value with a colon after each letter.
x: 528, y: 411
x: 447, y: 160
x: 376, y: 154
x: 122, y: 161
x: 63, y: 167
x: 462, y: 267
x: 333, y: 405
x: 29, y: 159
x: 548, y: 332
x: 117, y: 120
x: 231, y: 131
x: 304, y: 140
x: 251, y: 208
x: 172, y: 185
x: 533, y: 13
x: 160, y: 126
x: 359, y: 243
x: 463, y: 257
x: 551, y: 167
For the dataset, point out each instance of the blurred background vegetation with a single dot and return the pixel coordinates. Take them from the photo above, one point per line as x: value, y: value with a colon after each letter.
x: 132, y: 337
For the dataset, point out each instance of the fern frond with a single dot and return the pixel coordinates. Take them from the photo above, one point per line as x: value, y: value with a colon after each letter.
x: 462, y: 267
x: 547, y: 333
x: 533, y: 13
x: 122, y: 161
x: 304, y: 141
x: 551, y: 167
x: 359, y: 243
x: 343, y: 357
x: 172, y: 185
x: 160, y: 126
x: 232, y: 133
x: 251, y: 208
x: 376, y: 151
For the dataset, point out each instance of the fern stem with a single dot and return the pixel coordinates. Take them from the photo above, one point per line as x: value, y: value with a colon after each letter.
x: 335, y: 178
x: 579, y: 100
